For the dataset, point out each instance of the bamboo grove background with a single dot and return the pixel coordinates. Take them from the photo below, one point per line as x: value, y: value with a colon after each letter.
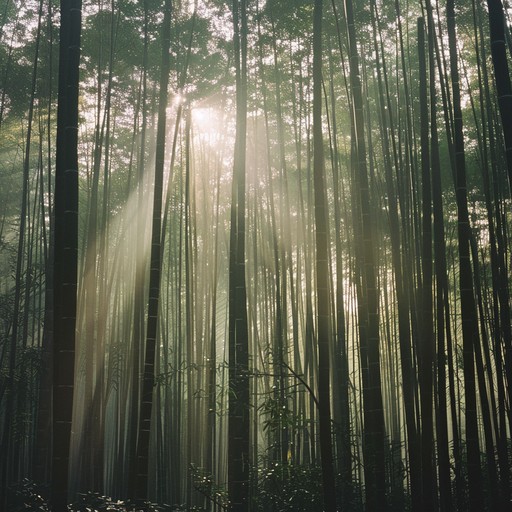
x: 331, y: 204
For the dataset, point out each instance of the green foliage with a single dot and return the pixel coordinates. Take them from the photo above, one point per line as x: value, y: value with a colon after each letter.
x: 94, y: 501
x: 291, y: 19
x: 97, y: 33
x: 201, y: 70
x: 277, y: 415
x: 204, y: 484
x: 294, y: 488
x: 28, y: 497
x: 16, y: 80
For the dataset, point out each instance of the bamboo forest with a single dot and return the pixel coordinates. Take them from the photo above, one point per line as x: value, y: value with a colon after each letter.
x: 255, y: 255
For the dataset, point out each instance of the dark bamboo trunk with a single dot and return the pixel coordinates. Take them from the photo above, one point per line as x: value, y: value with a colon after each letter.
x: 322, y: 271
x: 65, y: 249
x: 148, y: 379
x: 498, y: 26
x: 426, y: 350
x: 239, y: 417
x: 470, y: 329
x: 445, y: 501
x: 368, y: 309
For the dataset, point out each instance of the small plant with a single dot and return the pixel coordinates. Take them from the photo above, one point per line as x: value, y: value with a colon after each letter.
x: 28, y: 497
x: 95, y: 502
x: 204, y: 484
x: 89, y: 501
x: 289, y: 488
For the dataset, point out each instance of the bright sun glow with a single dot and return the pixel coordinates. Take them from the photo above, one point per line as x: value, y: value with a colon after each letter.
x: 207, y: 123
x: 178, y: 99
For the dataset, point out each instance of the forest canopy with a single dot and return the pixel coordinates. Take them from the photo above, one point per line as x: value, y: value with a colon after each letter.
x: 255, y: 255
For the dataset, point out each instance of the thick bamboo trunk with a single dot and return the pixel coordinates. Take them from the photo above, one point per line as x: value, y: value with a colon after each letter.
x: 65, y: 248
